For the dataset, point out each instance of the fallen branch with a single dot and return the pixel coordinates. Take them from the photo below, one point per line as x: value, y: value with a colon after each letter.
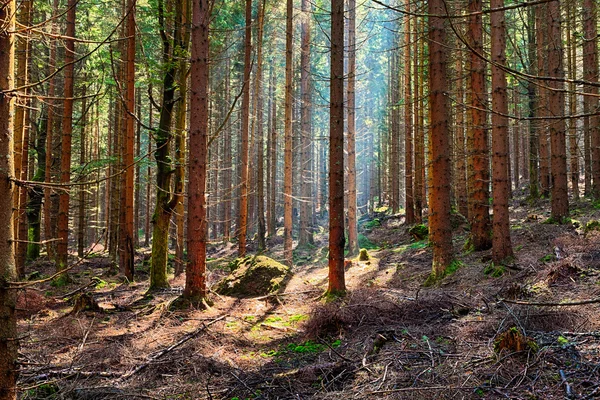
x: 416, y: 388
x: 286, y: 294
x: 551, y: 304
x: 563, y: 377
x: 161, y: 353
x: 69, y: 373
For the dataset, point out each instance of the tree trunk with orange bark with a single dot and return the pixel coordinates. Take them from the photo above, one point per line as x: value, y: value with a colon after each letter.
x: 408, y: 125
x: 556, y: 101
x: 8, y: 321
x: 351, y: 146
x: 590, y: 101
x: 501, y: 243
x: 195, y: 284
x: 244, y: 153
x: 67, y: 132
x: 288, y: 159
x: 337, y: 283
x: 478, y: 160
x: 440, y: 229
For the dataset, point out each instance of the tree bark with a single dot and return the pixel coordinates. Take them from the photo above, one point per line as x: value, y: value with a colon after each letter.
x: 67, y: 132
x: 126, y: 235
x: 337, y: 283
x: 501, y: 243
x: 351, y: 148
x: 478, y: 162
x: 590, y: 73
x: 195, y: 283
x: 243, y: 211
x: 408, y: 125
x: 260, y: 173
x: 556, y: 101
x: 8, y: 272
x: 288, y: 158
x: 440, y: 229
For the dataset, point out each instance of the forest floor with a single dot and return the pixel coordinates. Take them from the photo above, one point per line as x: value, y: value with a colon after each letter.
x: 391, y: 337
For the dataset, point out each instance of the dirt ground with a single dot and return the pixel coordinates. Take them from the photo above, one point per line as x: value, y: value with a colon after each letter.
x: 391, y: 337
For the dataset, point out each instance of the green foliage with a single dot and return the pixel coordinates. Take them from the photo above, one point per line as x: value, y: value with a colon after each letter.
x: 419, y: 232
x: 43, y: 391
x: 563, y: 341
x: 61, y: 280
x: 432, y: 279
x: 493, y: 270
x: 592, y: 225
x: 365, y: 243
x: 374, y: 223
x: 548, y: 258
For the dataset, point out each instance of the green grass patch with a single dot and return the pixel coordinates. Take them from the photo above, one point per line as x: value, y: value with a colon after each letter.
x: 548, y: 258
x: 494, y: 271
x: 374, y: 223
x: 365, y: 243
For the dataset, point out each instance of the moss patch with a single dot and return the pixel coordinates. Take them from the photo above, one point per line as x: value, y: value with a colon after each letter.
x: 254, y: 276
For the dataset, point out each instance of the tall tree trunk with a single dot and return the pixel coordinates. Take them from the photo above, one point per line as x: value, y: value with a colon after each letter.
x: 36, y: 193
x: 408, y: 125
x: 148, y: 176
x: 67, y: 132
x: 501, y: 244
x: 351, y: 149
x: 534, y: 184
x: 272, y: 164
x: 478, y: 162
x: 418, y: 127
x: 288, y: 159
x: 126, y: 235
x: 556, y: 101
x: 81, y: 217
x: 243, y: 211
x: 8, y: 320
x: 337, y: 283
x: 590, y: 74
x: 260, y: 168
x: 165, y: 201
x: 195, y: 283
x: 573, y: 148
x: 137, y: 188
x: 460, y: 149
x: 541, y: 16
x: 49, y: 196
x: 21, y: 137
x: 227, y: 189
x: 440, y: 229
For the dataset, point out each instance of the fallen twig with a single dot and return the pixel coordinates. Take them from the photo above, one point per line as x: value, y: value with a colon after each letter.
x: 286, y: 294
x: 563, y: 377
x: 551, y: 304
x: 161, y: 353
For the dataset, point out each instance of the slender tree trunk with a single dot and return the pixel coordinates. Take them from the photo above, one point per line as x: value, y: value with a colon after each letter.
x: 165, y: 201
x: 148, y: 177
x: 180, y: 152
x: 408, y: 117
x: 288, y: 159
x: 195, y: 284
x: 573, y: 148
x: 418, y: 128
x: 49, y: 197
x: 8, y: 321
x: 228, y: 190
x: 534, y: 185
x: 67, y: 131
x: 556, y: 101
x: 440, y: 229
x: 243, y: 212
x: 260, y: 180
x: 351, y: 149
x: 501, y: 244
x: 337, y: 283
x: 590, y: 73
x: 461, y: 154
x: 126, y: 234
x: 272, y: 165
x: 81, y: 217
x: 478, y: 162
x: 36, y: 193
x: 21, y: 137
x: 543, y: 94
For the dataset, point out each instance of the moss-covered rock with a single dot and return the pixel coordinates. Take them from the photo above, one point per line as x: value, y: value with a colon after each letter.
x: 419, y: 232
x: 254, y: 276
x: 363, y: 255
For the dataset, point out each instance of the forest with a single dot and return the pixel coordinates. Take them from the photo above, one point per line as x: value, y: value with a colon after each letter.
x: 299, y: 199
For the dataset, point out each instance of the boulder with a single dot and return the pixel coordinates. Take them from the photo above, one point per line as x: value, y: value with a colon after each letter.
x: 254, y: 276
